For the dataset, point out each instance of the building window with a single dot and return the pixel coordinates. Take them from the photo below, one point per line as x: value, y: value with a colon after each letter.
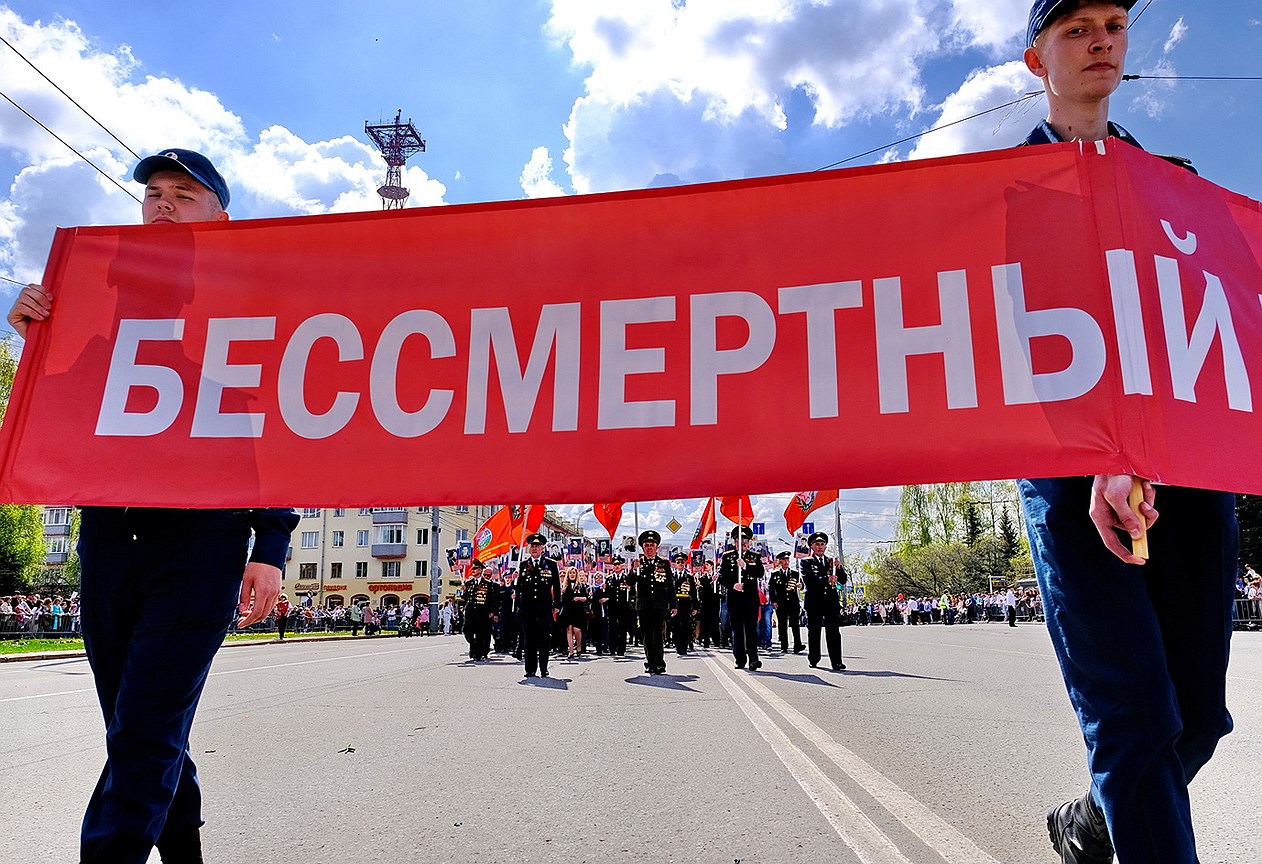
x: 339, y: 511
x: 310, y: 539
x: 339, y: 538
x: 57, y: 545
x: 361, y: 537
x: 422, y: 568
x: 462, y: 534
x: 57, y: 516
x: 306, y: 571
x: 390, y: 534
x: 422, y: 509
x: 462, y: 508
x: 422, y: 536
x: 335, y: 570
x: 361, y: 569
x: 310, y: 512
x: 365, y: 511
x: 389, y: 569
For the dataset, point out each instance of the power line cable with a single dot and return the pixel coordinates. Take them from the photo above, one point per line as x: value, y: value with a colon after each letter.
x: 1031, y: 95
x: 14, y: 281
x: 71, y: 98
x: 1191, y: 78
x: 100, y: 171
x: 1139, y: 14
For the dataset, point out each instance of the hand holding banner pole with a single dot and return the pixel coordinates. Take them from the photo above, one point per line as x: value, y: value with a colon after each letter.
x: 1139, y: 545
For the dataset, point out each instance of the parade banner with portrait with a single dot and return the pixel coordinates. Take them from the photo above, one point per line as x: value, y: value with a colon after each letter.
x: 1058, y: 310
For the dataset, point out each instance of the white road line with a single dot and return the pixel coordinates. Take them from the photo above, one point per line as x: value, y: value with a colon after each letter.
x: 854, y: 828
x: 933, y: 830
x: 45, y: 695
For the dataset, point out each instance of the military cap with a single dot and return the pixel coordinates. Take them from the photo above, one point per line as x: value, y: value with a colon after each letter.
x: 744, y: 532
x: 475, y: 564
x: 680, y: 556
x: 818, y: 537
x: 782, y: 556
x: 536, y: 538
x: 618, y: 559
x: 650, y: 536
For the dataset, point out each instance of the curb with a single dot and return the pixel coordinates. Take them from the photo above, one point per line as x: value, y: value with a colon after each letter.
x: 69, y: 655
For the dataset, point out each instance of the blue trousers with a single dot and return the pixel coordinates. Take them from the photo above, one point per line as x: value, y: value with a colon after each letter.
x: 159, y: 590
x: 1143, y: 652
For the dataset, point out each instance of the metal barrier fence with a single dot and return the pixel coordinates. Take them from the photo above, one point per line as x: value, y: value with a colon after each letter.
x: 38, y: 625
x: 1247, y: 615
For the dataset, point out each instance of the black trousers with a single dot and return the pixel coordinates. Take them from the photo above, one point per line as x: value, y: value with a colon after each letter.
x: 710, y: 624
x: 617, y: 632
x: 832, y: 635
x: 536, y: 637
x: 788, y: 617
x: 744, y: 624
x: 477, y: 630
x: 653, y: 632
x: 681, y: 626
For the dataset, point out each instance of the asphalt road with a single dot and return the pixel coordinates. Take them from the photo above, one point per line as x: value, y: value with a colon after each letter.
x: 937, y: 745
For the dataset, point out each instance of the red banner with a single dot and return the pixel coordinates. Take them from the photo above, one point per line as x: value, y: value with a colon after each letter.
x: 1040, y: 311
x: 608, y: 515
x: 705, y: 526
x: 737, y: 508
x: 505, y: 528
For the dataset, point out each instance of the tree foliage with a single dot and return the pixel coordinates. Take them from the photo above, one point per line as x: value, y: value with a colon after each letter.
x: 22, y: 546
x: 1249, y: 514
x: 951, y: 538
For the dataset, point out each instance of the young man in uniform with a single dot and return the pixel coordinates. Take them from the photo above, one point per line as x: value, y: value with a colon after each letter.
x: 1146, y: 672
x: 160, y: 588
x: 786, y: 603
x: 685, y: 595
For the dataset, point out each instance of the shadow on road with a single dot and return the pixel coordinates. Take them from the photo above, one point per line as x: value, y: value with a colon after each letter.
x: 850, y: 673
x: 804, y: 678
x: 546, y: 683
x: 665, y: 682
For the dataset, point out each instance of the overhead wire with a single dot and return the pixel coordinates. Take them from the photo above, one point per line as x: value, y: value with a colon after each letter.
x: 57, y: 87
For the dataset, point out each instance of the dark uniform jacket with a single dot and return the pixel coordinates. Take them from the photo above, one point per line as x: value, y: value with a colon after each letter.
x: 784, y: 589
x: 538, y: 586
x: 619, y: 591
x: 821, y: 597
x: 747, y: 598
x: 481, y: 595
x: 685, y: 586
x: 654, y: 585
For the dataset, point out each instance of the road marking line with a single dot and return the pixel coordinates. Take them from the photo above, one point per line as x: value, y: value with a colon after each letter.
x: 852, y: 825
x: 43, y: 695
x: 932, y: 829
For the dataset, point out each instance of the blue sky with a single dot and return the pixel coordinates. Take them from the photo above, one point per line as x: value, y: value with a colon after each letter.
x: 522, y: 98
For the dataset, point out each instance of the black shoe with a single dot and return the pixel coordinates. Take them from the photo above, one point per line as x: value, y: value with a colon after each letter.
x: 530, y: 674
x: 755, y: 666
x: 799, y: 649
x: 1079, y: 833
x: 813, y: 665
x: 740, y: 665
x: 181, y: 847
x: 840, y: 667
x: 543, y: 674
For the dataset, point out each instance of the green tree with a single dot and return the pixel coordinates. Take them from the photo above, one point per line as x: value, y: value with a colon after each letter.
x: 1249, y: 514
x: 22, y: 546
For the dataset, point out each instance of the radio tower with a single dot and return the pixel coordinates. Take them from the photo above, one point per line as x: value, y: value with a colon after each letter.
x: 397, y: 141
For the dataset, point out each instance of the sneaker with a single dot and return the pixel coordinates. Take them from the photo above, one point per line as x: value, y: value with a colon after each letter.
x: 1079, y: 833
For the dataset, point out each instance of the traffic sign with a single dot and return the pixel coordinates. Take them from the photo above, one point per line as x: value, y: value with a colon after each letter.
x: 808, y: 527
x: 673, y: 525
x: 758, y: 527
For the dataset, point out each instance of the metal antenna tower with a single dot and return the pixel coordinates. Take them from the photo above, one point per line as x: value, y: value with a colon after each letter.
x: 397, y: 141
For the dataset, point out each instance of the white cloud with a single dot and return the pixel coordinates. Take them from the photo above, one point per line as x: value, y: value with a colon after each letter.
x: 699, y: 90
x: 984, y: 89
x: 277, y: 174
x: 536, y: 176
x: 1177, y: 33
x: 992, y: 24
x: 1153, y: 95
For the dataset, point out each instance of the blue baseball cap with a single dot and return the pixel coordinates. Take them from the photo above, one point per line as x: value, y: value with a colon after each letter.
x: 1045, y: 11
x: 193, y: 164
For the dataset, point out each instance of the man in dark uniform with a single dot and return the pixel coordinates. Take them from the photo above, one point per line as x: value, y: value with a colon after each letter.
x: 1145, y: 672
x: 506, y: 636
x: 539, y: 601
x: 654, y: 600
x: 685, y: 593
x: 786, y: 602
x: 159, y: 587
x: 739, y: 572
x: 823, y: 577
x: 710, y: 592
x: 618, y: 590
x: 481, y: 605
x: 598, y: 626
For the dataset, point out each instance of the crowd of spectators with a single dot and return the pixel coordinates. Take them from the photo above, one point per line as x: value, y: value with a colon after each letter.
x: 33, y: 614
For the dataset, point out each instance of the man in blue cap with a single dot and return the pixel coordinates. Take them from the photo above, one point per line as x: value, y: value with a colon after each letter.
x: 1146, y: 672
x: 160, y: 588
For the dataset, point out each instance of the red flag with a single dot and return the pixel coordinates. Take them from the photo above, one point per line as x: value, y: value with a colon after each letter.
x: 705, y: 527
x: 737, y: 509
x: 505, y: 529
x: 608, y: 515
x: 803, y: 505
